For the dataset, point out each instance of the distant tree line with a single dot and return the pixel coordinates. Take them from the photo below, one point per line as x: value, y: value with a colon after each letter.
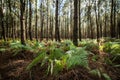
x: 59, y: 19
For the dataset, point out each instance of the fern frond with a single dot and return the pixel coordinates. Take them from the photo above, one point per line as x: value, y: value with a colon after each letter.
x: 96, y: 72
x: 56, y: 53
x: 2, y: 49
x: 107, y: 77
x: 79, y: 57
x: 36, y: 60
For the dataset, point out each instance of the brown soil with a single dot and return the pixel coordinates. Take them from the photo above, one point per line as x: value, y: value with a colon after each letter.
x: 14, y: 68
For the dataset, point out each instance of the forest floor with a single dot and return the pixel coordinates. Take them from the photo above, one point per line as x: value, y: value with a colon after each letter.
x: 14, y: 68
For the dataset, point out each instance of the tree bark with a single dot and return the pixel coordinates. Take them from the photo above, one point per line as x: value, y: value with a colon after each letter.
x: 80, y: 20
x: 30, y: 20
x: 26, y: 20
x: 71, y: 20
x: 22, y: 9
x: 114, y: 6
x: 57, y: 34
x: 36, y: 29
x: 47, y: 34
x: 42, y: 20
x: 96, y: 21
x: 105, y: 30
x: 75, y: 29
x: 2, y: 22
x: 112, y: 28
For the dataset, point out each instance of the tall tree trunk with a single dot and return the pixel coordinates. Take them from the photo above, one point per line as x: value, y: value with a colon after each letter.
x: 71, y: 20
x: 65, y: 27
x: 118, y: 26
x: 105, y: 32
x: 99, y: 20
x: 2, y: 21
x: 68, y: 26
x: 47, y: 35
x: 42, y: 28
x: 26, y: 19
x: 75, y: 29
x: 112, y: 28
x: 101, y: 28
x: 7, y: 28
x: 59, y: 21
x: 114, y: 6
x: 89, y: 21
x: 10, y: 18
x: 96, y: 21
x: 51, y: 27
x: 57, y: 34
x: 30, y: 20
x: 119, y: 29
x: 42, y: 20
x: 14, y: 24
x: 64, y: 30
x: 36, y: 31
x: 13, y: 27
x: 91, y: 27
x: 22, y: 9
x: 7, y: 20
x: 79, y: 20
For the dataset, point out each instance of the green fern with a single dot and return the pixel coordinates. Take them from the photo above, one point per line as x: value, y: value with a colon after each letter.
x: 2, y: 49
x: 113, y: 48
x: 78, y: 57
x: 59, y: 66
x: 107, y: 77
x: 91, y: 46
x: 107, y: 47
x: 16, y: 47
x: 38, y: 45
x: 36, y: 60
x: 96, y: 72
x: 57, y: 60
x: 67, y: 45
x: 100, y: 74
x: 16, y: 51
x: 56, y: 54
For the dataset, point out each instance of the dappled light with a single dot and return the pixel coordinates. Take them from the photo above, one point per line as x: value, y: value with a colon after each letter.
x: 59, y: 39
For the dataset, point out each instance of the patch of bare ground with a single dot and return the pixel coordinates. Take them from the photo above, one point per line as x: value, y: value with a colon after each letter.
x: 13, y: 67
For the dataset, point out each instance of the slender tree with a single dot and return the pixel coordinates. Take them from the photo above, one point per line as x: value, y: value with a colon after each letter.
x: 71, y: 19
x: 79, y: 20
x: 26, y: 19
x: 36, y: 24
x: 42, y: 20
x: 114, y: 13
x: 47, y: 34
x: 112, y: 27
x: 30, y: 19
x: 57, y: 34
x: 97, y: 25
x: 105, y: 27
x: 22, y: 10
x: 118, y: 26
x: 75, y: 29
x: 2, y: 23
